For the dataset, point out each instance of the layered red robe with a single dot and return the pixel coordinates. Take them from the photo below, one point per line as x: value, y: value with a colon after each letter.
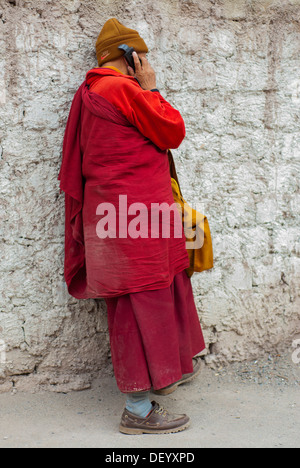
x: 116, y: 143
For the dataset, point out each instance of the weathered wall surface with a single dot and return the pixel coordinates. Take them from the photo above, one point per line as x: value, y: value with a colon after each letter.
x: 232, y: 67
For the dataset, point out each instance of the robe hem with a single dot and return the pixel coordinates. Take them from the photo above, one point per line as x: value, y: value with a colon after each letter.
x: 160, y: 385
x: 141, y: 288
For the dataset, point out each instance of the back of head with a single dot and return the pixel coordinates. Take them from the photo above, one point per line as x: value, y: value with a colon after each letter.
x: 114, y: 34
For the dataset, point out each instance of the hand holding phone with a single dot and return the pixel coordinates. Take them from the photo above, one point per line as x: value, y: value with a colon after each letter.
x: 141, y: 69
x: 128, y: 51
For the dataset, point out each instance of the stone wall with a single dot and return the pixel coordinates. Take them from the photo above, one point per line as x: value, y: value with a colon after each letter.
x: 232, y: 67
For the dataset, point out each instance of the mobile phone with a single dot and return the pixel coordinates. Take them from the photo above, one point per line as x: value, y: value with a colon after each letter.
x: 128, y: 55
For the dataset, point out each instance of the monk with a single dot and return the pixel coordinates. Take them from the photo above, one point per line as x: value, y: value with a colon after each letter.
x: 115, y: 168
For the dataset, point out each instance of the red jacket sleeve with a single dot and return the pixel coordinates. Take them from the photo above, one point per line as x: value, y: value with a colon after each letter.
x: 156, y: 119
x: 153, y: 116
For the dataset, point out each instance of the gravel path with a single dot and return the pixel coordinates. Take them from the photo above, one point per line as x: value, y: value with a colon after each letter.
x: 251, y: 405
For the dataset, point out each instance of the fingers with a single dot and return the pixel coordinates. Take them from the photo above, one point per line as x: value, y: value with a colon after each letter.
x: 130, y: 70
x: 137, y: 62
x: 144, y: 73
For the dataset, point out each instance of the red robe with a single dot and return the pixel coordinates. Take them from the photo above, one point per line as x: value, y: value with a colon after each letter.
x: 110, y: 149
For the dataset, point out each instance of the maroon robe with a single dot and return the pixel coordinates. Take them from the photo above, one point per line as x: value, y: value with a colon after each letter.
x: 153, y: 322
x: 105, y: 156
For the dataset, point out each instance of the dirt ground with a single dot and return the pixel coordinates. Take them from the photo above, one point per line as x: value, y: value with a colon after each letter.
x: 245, y: 405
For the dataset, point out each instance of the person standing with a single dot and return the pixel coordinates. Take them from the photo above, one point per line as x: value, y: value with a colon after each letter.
x: 115, y: 150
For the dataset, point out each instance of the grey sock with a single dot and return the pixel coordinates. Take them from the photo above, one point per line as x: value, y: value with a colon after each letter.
x: 139, y: 403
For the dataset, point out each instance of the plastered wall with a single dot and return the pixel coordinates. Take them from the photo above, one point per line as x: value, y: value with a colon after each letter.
x: 232, y: 68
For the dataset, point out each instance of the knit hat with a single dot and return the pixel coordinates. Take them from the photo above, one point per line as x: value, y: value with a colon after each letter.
x: 114, y: 34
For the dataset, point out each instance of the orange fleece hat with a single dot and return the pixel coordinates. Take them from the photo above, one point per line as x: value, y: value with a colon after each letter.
x: 112, y: 35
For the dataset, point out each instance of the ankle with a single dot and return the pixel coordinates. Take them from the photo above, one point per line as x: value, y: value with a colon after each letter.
x: 139, y: 404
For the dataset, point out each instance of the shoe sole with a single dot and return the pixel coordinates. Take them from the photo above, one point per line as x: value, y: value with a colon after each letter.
x: 135, y: 431
x: 172, y: 388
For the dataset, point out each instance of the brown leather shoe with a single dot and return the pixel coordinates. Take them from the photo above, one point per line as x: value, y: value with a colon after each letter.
x: 158, y: 421
x: 184, y: 379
